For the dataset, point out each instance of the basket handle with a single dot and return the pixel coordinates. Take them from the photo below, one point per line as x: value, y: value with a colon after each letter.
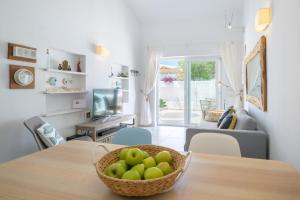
x: 188, y: 157
x: 94, y: 152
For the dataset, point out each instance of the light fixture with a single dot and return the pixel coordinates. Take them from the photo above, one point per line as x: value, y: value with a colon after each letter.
x: 102, y: 51
x: 228, y: 21
x: 263, y: 19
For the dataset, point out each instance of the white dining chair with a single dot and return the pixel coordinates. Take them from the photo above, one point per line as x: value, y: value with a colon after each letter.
x: 215, y: 143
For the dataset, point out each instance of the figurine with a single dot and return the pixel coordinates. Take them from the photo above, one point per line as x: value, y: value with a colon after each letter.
x: 65, y: 65
x: 78, y: 66
x: 69, y: 68
x: 60, y: 67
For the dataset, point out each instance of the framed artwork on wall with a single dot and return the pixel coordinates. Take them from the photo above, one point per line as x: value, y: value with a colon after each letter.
x: 256, y: 75
x: 21, y: 53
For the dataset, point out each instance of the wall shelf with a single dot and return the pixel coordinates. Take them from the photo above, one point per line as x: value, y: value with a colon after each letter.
x: 123, y: 78
x: 66, y: 92
x: 59, y: 101
x: 66, y: 72
x: 64, y: 112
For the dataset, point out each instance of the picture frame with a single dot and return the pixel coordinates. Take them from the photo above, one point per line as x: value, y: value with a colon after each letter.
x: 21, y: 53
x: 16, y: 73
x: 256, y: 75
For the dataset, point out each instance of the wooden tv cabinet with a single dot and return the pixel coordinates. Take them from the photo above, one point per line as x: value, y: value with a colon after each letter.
x: 94, y: 128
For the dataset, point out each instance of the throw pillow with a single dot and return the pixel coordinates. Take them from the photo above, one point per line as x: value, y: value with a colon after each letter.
x: 227, y: 112
x: 233, y: 122
x: 226, y: 122
x: 49, y: 135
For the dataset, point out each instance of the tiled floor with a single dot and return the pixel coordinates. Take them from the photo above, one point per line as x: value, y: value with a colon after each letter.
x: 173, y: 137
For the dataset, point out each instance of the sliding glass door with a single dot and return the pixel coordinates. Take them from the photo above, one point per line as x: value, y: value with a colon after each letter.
x: 171, y: 92
x: 186, y: 89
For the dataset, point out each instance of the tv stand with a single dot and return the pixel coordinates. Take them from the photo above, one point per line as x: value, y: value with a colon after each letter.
x: 102, y: 130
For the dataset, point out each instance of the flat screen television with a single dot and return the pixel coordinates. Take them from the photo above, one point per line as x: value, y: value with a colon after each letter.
x: 107, y: 102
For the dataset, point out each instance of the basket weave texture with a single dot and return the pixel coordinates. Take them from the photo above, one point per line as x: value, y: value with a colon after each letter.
x: 133, y: 188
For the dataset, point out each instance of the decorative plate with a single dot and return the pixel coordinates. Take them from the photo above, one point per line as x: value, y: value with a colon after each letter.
x: 23, y: 77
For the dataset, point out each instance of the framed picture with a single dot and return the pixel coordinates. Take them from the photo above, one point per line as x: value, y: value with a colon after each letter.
x: 256, y: 75
x: 21, y: 53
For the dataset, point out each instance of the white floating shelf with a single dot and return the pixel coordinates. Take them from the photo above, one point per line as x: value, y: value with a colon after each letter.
x: 66, y: 92
x: 64, y: 112
x: 66, y: 72
x: 124, y: 78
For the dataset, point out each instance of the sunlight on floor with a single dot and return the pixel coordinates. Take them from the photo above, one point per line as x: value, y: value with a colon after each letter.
x: 173, y: 137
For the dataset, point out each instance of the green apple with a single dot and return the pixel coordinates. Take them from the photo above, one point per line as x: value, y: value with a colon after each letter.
x: 134, y: 156
x: 165, y: 168
x: 149, y: 162
x: 152, y: 173
x: 123, y: 153
x: 140, y: 168
x: 123, y: 163
x: 115, y: 170
x: 146, y: 154
x: 163, y: 156
x: 132, y: 175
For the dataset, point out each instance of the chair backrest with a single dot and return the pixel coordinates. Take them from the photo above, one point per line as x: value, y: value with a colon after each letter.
x: 215, y: 143
x: 132, y: 136
x: 32, y: 125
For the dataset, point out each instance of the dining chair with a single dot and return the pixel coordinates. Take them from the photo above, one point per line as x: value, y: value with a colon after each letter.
x: 132, y: 136
x: 215, y: 143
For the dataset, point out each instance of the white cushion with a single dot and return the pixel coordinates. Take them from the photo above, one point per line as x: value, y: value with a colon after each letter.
x: 49, y: 135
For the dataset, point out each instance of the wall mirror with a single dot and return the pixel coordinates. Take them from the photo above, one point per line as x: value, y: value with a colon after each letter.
x: 256, y: 75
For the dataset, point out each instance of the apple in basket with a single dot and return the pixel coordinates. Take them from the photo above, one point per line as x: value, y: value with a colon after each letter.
x: 134, y: 156
x: 115, y: 170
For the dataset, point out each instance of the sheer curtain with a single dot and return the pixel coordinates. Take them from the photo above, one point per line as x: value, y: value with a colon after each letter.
x: 151, y: 73
x: 231, y: 53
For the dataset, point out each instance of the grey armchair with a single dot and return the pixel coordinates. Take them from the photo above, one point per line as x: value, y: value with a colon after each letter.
x: 34, y: 123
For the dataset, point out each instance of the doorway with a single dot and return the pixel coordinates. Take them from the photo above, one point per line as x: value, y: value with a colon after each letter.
x: 187, y: 86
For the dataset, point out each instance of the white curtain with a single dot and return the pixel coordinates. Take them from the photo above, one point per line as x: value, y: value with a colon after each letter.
x: 232, y: 53
x: 151, y: 74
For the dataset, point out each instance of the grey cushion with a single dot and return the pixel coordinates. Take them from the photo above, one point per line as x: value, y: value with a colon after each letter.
x: 206, y: 125
x: 245, y: 121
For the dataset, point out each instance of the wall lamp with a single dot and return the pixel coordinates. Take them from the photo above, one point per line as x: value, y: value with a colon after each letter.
x: 102, y: 51
x: 263, y: 19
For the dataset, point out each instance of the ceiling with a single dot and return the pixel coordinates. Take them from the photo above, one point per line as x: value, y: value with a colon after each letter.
x: 162, y: 11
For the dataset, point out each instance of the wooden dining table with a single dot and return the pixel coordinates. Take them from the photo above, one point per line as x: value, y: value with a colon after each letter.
x: 67, y: 172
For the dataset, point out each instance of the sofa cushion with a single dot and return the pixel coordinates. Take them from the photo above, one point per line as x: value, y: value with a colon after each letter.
x: 228, y: 122
x: 245, y: 121
x: 206, y: 125
x: 227, y: 112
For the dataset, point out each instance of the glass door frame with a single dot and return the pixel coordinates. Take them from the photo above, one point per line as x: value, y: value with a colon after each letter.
x: 187, y: 83
x: 188, y: 102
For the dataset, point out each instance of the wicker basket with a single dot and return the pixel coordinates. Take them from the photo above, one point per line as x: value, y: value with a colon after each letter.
x: 142, y: 187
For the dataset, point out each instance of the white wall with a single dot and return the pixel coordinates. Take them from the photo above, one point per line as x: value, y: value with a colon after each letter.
x: 189, y: 38
x: 281, y: 121
x: 75, y: 26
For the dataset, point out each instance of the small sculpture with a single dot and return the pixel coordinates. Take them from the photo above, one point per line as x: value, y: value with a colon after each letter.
x: 52, y: 81
x: 60, y: 67
x: 69, y: 68
x: 78, y: 66
x: 65, y: 65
